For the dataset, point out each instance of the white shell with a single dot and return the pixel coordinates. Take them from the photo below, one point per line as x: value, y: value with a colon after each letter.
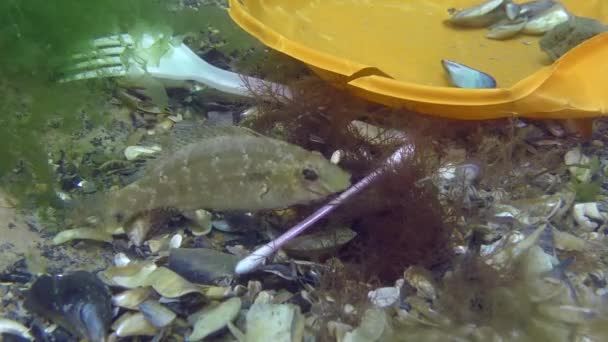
x: 384, y: 297
x: 134, y: 152
x: 584, y: 212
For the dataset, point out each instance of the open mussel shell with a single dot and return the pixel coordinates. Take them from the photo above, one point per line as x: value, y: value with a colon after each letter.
x: 82, y: 234
x: 546, y: 19
x: 170, y: 284
x: 479, y: 15
x: 202, y: 265
x: 317, y: 245
x: 505, y: 29
x: 130, y: 299
x: 79, y: 302
x: 268, y: 322
x: 463, y: 76
x: 130, y: 276
x: 213, y: 318
x: 157, y: 314
x: 133, y: 324
x: 14, y: 328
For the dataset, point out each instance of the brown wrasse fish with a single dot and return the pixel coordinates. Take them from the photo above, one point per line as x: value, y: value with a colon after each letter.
x: 227, y: 171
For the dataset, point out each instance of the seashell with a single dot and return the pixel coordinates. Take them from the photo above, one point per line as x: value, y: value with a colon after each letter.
x: 512, y: 251
x: 512, y: 10
x: 384, y: 297
x: 547, y: 19
x: 130, y: 299
x: 373, y: 327
x: 274, y: 322
x: 79, y: 302
x: 478, y: 15
x: 133, y: 324
x: 568, y: 242
x: 567, y: 313
x: 176, y: 241
x: 336, y: 157
x: 375, y: 134
x: 463, y: 76
x: 159, y: 244
x: 338, y: 329
x: 213, y: 318
x: 135, y: 152
x: 201, y: 220
x: 584, y: 213
x: 11, y: 327
x: 138, y: 230
x: 121, y: 259
x: 422, y: 281
x: 536, y: 262
x: 319, y: 244
x: 157, y: 314
x: 236, y: 332
x: 202, y: 265
x: 505, y: 29
x: 131, y: 276
x: 532, y: 8
x: 170, y: 284
x: 82, y: 234
x: 578, y: 163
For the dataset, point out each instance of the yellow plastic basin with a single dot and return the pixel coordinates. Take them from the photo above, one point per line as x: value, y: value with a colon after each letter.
x: 390, y: 51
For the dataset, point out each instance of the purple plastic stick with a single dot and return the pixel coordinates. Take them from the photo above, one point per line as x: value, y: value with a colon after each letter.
x: 257, y: 258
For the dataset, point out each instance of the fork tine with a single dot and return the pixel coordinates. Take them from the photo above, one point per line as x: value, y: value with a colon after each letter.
x: 116, y: 40
x: 100, y: 53
x: 110, y: 71
x: 95, y: 64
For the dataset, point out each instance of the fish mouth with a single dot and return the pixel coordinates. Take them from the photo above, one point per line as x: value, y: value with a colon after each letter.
x: 319, y: 189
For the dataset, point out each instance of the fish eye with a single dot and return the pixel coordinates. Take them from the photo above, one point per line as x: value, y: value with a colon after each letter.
x: 119, y: 217
x: 310, y: 174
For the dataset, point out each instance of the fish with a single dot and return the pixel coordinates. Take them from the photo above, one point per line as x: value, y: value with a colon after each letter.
x: 479, y: 15
x: 463, y: 76
x: 229, y: 169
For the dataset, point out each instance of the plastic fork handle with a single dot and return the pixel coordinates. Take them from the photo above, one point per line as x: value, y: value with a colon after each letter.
x: 184, y: 63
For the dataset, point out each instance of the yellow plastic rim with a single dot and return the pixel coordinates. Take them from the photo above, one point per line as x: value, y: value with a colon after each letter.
x: 389, y: 51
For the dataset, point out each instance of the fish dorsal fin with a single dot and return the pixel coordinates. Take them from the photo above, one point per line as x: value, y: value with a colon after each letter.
x: 185, y: 133
x: 182, y: 134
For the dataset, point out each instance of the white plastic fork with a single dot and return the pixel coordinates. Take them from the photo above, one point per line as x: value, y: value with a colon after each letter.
x: 123, y: 55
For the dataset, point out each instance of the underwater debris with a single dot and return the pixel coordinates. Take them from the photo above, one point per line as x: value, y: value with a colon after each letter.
x: 79, y: 302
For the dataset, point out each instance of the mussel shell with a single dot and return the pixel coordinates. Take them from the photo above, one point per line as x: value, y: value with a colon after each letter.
x: 463, y: 76
x: 78, y: 302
